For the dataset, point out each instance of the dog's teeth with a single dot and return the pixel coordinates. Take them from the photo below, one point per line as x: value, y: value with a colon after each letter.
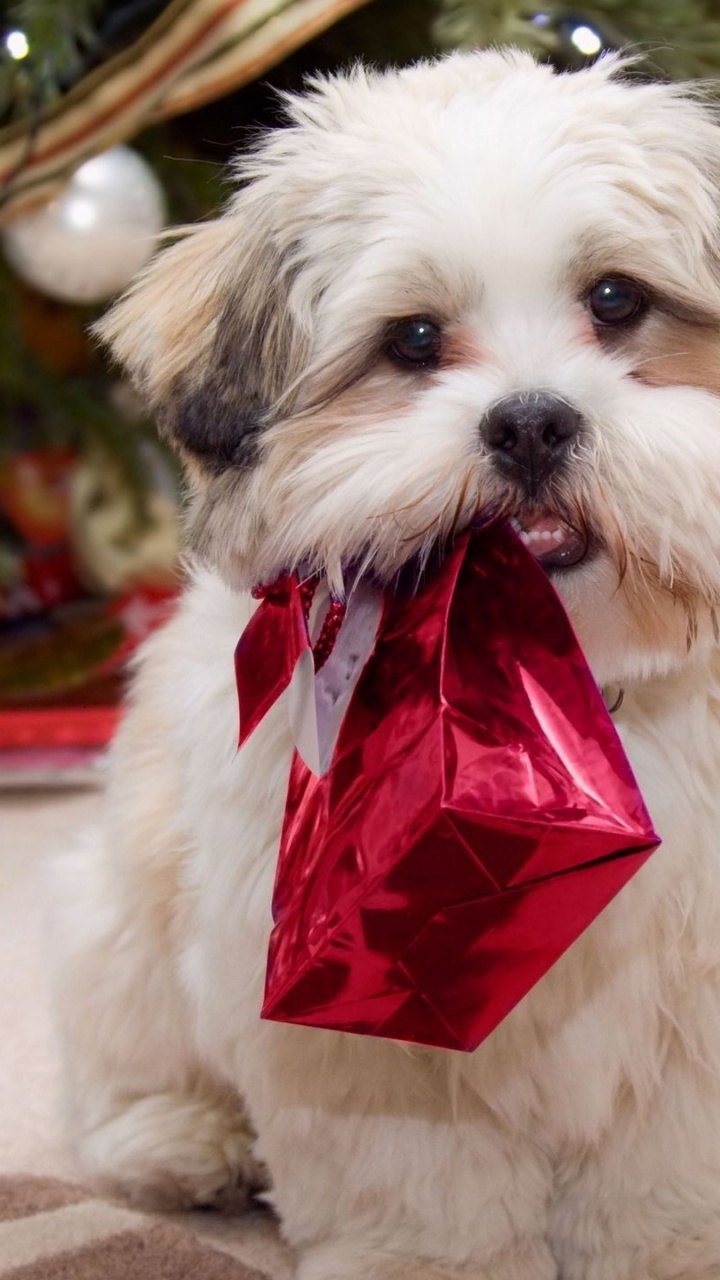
x: 552, y: 537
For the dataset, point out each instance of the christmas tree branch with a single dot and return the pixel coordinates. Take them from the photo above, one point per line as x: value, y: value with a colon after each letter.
x: 680, y: 38
x: 58, y: 35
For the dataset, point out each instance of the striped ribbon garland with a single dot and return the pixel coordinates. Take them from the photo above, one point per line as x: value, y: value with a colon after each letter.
x: 195, y: 51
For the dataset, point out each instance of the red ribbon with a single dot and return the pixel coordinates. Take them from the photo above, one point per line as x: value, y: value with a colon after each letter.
x: 274, y: 640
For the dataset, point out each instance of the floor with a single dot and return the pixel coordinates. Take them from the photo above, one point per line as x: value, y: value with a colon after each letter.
x: 31, y: 1134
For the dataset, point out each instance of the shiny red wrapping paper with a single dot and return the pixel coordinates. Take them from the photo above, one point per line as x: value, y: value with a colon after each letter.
x: 478, y: 812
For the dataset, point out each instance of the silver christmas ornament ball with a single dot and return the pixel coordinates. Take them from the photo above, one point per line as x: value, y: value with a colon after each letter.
x: 91, y: 239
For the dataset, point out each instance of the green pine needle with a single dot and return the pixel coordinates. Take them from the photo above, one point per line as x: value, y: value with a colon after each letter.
x: 60, y: 34
x: 681, y: 37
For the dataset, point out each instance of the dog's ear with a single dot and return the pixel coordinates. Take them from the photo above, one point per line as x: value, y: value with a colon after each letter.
x: 207, y: 334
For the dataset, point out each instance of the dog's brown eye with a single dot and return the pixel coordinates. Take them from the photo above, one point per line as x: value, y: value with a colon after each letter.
x: 616, y: 301
x: 416, y: 341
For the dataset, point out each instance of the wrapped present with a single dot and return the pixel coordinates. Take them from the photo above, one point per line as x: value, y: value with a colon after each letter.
x: 472, y: 814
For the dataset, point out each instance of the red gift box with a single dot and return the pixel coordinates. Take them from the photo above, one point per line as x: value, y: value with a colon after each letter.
x: 477, y: 814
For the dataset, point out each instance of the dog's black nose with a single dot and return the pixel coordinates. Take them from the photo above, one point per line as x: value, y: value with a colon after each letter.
x: 530, y: 434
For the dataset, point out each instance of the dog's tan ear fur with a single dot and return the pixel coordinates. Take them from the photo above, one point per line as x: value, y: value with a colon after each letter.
x: 207, y: 335
x: 165, y: 324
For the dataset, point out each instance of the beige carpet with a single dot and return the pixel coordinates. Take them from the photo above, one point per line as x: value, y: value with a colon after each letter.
x: 31, y: 1136
x: 52, y: 1230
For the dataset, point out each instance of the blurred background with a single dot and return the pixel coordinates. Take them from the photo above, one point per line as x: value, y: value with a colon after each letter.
x: 118, y: 118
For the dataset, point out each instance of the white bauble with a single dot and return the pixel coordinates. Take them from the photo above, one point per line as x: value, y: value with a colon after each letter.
x: 89, y: 242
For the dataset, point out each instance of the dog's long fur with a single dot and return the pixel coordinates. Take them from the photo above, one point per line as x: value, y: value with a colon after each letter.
x: 582, y: 1140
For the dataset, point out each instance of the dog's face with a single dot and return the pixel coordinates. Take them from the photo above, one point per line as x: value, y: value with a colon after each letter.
x: 467, y: 288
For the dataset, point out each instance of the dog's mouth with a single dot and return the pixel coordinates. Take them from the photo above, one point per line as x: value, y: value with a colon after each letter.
x: 555, y: 543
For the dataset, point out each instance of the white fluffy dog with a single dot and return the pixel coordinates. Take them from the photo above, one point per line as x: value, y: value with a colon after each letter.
x: 469, y: 286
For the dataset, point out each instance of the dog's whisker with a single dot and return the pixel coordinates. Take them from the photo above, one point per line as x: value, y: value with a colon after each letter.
x: 665, y: 355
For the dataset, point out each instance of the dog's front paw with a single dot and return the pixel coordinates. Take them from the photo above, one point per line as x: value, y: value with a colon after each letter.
x: 341, y: 1260
x: 332, y: 1264
x: 168, y: 1151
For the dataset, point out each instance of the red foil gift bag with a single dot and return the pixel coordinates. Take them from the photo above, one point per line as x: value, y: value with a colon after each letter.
x: 477, y: 814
